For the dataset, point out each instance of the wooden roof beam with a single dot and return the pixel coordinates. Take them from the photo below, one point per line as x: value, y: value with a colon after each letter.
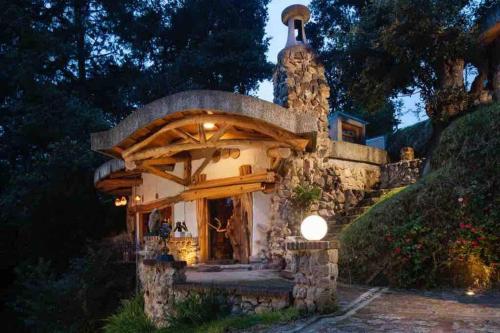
x: 175, y: 148
x: 276, y: 133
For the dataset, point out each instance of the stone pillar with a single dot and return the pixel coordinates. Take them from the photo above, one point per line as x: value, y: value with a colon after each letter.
x: 299, y: 85
x: 157, y: 279
x: 315, y: 268
x: 299, y: 78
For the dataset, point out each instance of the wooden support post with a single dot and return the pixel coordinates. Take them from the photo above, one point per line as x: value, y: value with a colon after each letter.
x: 187, y: 171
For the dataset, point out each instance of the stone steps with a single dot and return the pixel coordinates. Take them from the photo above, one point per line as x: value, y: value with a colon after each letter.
x: 338, y: 224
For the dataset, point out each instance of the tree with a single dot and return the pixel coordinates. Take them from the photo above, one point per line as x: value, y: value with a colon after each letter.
x: 72, y: 67
x: 199, y: 44
x: 381, y: 49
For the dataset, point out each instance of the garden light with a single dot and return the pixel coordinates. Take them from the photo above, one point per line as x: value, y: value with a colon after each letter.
x: 313, y: 227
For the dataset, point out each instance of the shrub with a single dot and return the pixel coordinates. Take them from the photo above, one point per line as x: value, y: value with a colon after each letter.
x: 130, y: 318
x: 443, y: 230
x: 75, y: 301
x: 416, y: 136
x: 200, y: 308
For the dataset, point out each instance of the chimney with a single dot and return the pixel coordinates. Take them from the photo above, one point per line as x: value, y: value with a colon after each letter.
x: 295, y: 17
x: 299, y: 78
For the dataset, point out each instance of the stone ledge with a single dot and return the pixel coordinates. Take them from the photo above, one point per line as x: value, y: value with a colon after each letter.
x: 285, y: 292
x: 358, y: 153
x: 166, y: 264
x: 303, y: 244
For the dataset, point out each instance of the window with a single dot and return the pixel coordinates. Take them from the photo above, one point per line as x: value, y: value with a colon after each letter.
x: 298, y: 30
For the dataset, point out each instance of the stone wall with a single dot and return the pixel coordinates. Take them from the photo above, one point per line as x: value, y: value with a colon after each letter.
x: 401, y: 173
x: 240, y: 300
x: 300, y: 85
x: 315, y: 268
x: 184, y: 249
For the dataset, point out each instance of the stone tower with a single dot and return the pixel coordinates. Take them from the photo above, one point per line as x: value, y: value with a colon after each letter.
x: 299, y: 78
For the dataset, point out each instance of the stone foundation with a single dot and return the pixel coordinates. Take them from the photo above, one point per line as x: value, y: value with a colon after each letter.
x: 315, y: 268
x: 241, y: 300
x: 401, y: 173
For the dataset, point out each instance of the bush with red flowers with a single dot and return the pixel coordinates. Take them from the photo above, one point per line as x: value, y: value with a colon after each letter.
x: 443, y: 230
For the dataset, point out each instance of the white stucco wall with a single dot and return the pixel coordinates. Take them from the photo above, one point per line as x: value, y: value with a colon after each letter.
x: 186, y: 211
x: 261, y: 215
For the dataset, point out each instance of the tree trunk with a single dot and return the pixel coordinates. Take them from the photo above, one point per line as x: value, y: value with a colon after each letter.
x: 451, y: 98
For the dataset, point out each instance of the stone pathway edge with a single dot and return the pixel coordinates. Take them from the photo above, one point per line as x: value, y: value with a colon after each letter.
x: 359, y: 303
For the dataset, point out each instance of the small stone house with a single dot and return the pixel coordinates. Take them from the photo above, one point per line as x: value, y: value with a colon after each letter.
x: 346, y: 127
x: 227, y: 164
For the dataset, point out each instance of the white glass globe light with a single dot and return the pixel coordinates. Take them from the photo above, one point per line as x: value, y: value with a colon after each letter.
x: 313, y: 227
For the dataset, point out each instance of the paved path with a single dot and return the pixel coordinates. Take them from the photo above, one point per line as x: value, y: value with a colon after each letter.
x: 385, y: 310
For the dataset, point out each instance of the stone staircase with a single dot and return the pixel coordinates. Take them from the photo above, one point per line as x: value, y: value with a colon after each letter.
x: 338, y: 223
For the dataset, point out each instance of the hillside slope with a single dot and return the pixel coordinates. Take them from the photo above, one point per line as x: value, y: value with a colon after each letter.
x: 443, y: 230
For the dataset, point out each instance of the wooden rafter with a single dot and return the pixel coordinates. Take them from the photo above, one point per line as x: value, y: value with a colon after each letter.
x: 175, y: 148
x: 276, y: 133
x: 163, y: 174
x: 185, y: 135
x: 208, y: 193
x: 118, y: 182
x: 264, y: 177
x: 220, y: 132
x: 203, y: 165
x: 201, y: 134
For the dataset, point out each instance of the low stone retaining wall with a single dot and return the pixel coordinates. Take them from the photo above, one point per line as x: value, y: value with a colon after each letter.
x: 241, y: 299
x: 312, y: 263
x: 401, y: 173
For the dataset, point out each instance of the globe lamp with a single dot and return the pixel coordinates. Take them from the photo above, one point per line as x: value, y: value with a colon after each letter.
x: 313, y: 228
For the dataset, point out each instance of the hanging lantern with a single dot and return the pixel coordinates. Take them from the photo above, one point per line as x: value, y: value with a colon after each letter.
x: 138, y: 198
x: 118, y: 202
x: 313, y: 227
x: 123, y: 201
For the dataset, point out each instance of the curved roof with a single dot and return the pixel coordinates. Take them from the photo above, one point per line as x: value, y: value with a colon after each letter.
x: 155, y: 115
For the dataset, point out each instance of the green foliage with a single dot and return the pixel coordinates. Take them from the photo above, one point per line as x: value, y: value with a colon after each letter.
x: 199, y: 308
x: 76, y: 301
x: 303, y: 197
x: 378, y: 50
x: 443, y: 230
x: 246, y: 321
x: 69, y: 68
x: 130, y: 318
x: 417, y: 136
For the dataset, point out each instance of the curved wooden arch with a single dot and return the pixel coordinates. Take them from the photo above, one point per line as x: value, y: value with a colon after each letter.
x: 273, y: 136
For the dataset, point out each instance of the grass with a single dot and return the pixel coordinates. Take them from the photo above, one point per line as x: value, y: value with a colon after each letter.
x: 243, y: 322
x: 130, y: 318
x: 443, y: 230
